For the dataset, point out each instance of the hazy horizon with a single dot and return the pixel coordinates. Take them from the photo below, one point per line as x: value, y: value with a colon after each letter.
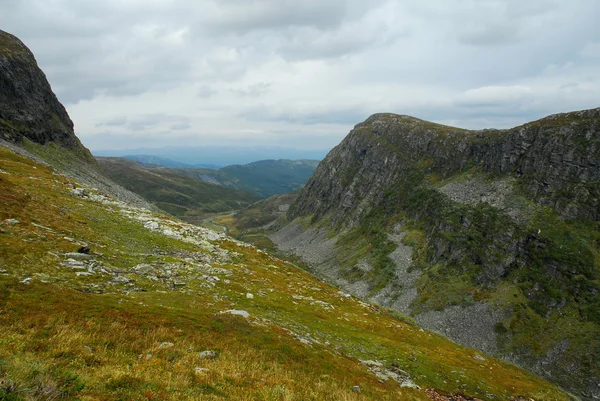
x: 215, y: 155
x: 301, y: 74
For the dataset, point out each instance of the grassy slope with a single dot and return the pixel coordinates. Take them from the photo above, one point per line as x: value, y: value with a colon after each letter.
x: 249, y: 224
x: 61, y: 340
x: 181, y: 195
x: 551, y: 293
x: 269, y: 177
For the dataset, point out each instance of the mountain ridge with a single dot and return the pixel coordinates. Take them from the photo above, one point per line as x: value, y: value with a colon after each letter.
x: 443, y: 223
x: 103, y: 299
x: 34, y: 123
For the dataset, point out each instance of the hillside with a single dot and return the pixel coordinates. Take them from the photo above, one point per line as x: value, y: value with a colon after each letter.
x: 151, y: 161
x: 254, y: 223
x: 35, y: 123
x: 491, y: 237
x: 182, y: 195
x: 102, y: 300
x: 266, y: 178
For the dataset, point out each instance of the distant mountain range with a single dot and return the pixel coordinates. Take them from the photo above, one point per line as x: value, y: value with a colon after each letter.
x: 491, y: 237
x: 192, y: 193
x: 166, y: 162
x: 214, y: 156
x: 103, y: 298
x: 182, y: 195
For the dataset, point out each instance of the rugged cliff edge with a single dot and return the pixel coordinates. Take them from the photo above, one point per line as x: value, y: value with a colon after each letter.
x: 34, y: 123
x: 100, y: 299
x: 28, y: 107
x: 491, y: 236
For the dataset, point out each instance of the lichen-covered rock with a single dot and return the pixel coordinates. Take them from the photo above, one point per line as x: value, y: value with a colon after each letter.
x: 486, y: 213
x: 557, y: 158
x: 28, y: 107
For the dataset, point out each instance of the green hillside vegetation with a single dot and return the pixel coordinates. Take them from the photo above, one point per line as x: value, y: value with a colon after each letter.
x: 254, y: 223
x: 266, y: 178
x: 263, y: 178
x: 163, y: 310
x: 524, y: 255
x: 181, y: 195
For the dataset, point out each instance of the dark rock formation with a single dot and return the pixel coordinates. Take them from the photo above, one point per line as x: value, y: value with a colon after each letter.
x: 34, y: 123
x: 487, y: 213
x: 558, y: 158
x: 28, y: 107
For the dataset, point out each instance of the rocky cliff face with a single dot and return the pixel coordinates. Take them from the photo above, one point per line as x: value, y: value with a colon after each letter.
x: 488, y: 236
x: 34, y: 123
x: 28, y: 107
x: 557, y: 158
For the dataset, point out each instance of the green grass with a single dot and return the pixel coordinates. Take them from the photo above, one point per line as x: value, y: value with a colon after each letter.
x: 62, y: 341
x: 182, y: 195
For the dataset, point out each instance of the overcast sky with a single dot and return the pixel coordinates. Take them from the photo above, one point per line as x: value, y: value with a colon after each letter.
x: 300, y: 74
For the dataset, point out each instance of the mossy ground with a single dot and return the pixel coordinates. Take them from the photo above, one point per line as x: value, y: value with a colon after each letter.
x: 60, y: 342
x: 465, y: 255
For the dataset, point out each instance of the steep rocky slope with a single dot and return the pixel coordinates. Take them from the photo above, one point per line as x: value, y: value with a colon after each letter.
x: 28, y: 107
x: 182, y: 195
x: 103, y: 300
x: 491, y: 237
x: 33, y: 122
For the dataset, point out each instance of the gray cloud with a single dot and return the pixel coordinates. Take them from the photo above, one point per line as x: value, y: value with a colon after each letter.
x: 241, y: 16
x: 115, y: 122
x: 349, y: 115
x: 279, y: 71
x: 148, y: 121
x: 253, y: 90
x: 180, y: 126
x: 205, y: 91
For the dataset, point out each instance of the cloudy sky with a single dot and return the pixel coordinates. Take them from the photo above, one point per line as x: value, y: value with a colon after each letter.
x: 300, y: 74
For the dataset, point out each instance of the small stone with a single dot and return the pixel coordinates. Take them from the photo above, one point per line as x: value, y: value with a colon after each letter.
x: 73, y: 264
x: 26, y: 281
x: 356, y: 389
x: 168, y: 232
x: 148, y: 356
x: 81, y: 192
x: 88, y: 349
x: 409, y: 383
x: 11, y: 222
x: 166, y: 344
x: 85, y: 274
x: 369, y: 362
x: 152, y: 225
x: 121, y: 279
x: 212, y: 236
x: 84, y: 249
x: 77, y: 255
x: 200, y: 370
x: 237, y: 312
x: 249, y: 296
x: 208, y: 354
x: 479, y: 357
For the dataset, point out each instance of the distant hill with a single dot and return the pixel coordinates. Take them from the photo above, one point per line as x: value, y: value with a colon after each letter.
x: 491, y: 237
x: 166, y: 162
x: 102, y: 299
x: 181, y: 195
x: 218, y: 155
x: 266, y: 178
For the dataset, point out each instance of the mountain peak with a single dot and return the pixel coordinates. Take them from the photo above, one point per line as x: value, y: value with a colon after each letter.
x: 28, y: 107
